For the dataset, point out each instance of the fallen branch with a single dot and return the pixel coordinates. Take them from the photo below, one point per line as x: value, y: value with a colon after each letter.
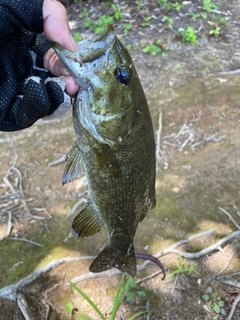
x: 201, y: 253
x: 234, y: 306
x: 25, y: 240
x: 10, y: 292
x: 230, y: 217
x: 23, y: 306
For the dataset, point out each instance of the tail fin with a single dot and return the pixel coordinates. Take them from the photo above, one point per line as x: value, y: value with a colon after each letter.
x: 119, y: 254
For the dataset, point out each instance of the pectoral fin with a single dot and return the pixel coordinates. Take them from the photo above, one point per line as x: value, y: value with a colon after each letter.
x: 74, y: 167
x: 86, y: 223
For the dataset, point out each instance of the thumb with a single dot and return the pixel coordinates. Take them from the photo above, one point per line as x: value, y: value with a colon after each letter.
x: 55, y: 25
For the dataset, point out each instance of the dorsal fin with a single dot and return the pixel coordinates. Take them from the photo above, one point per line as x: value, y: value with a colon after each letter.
x: 74, y: 167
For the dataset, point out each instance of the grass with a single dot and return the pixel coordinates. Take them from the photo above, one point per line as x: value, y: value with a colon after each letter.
x: 125, y: 288
x: 182, y: 268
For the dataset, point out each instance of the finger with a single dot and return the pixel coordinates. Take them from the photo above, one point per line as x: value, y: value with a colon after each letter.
x: 55, y: 25
x: 71, y: 86
x: 52, y: 63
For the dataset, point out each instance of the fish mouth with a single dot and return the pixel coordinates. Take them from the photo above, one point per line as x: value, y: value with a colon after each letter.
x: 90, y: 50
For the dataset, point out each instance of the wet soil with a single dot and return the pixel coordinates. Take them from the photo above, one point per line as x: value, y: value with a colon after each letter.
x: 194, y: 91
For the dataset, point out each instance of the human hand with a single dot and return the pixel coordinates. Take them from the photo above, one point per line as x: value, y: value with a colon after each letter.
x: 55, y: 25
x: 56, y: 28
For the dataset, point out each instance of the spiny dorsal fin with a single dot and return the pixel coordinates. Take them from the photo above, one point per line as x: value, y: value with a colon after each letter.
x: 74, y: 167
x: 86, y: 223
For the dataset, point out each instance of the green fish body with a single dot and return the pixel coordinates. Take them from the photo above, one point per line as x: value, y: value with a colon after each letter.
x: 115, y: 147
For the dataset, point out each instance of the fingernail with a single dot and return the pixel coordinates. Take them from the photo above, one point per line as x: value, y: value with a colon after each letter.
x: 66, y: 72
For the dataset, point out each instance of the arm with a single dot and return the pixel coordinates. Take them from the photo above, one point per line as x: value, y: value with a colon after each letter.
x: 26, y: 93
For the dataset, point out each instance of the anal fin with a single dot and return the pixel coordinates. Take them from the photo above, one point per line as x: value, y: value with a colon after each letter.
x: 86, y: 223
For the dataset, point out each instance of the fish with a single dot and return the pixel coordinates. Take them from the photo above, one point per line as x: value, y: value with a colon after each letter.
x: 115, y: 147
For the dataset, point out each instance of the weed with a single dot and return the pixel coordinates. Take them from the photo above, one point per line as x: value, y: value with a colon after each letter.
x: 174, y: 6
x: 188, y: 35
x: 171, y: 6
x: 202, y: 15
x: 209, y: 6
x: 169, y: 21
x: 152, y: 49
x: 220, y: 21
x: 88, y: 23
x: 84, y: 13
x: 215, y: 31
x: 121, y: 293
x: 126, y: 27
x: 132, y: 292
x: 146, y: 23
x: 102, y: 22
x: 77, y: 37
x: 116, y: 10
x: 213, y: 303
x: 162, y: 3
x: 182, y: 268
x: 138, y: 4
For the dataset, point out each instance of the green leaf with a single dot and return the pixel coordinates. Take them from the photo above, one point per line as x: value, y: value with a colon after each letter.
x: 216, y: 308
x: 130, y: 296
x: 214, y: 296
x: 120, y: 294
x: 92, y: 304
x: 134, y: 316
x: 77, y: 37
x: 82, y: 316
x: 221, y: 303
x: 141, y: 294
x: 131, y: 282
x: 69, y: 308
x: 205, y: 297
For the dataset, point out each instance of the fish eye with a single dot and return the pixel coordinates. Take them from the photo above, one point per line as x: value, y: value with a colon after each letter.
x: 123, y: 75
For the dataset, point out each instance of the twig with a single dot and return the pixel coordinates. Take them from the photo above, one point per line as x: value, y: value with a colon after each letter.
x: 19, y: 184
x: 74, y: 208
x: 175, y: 282
x: 8, y: 184
x: 229, y: 282
x: 230, y: 217
x: 148, y: 310
x: 25, y: 240
x: 9, y: 223
x: 234, y: 305
x: 150, y: 276
x: 60, y: 160
x: 23, y: 306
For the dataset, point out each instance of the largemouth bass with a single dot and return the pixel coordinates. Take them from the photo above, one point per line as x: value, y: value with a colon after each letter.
x: 115, y: 147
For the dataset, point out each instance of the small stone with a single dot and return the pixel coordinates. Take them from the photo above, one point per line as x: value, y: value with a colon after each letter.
x: 208, y: 290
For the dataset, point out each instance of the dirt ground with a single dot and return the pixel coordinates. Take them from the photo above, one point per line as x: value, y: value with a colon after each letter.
x: 193, y: 95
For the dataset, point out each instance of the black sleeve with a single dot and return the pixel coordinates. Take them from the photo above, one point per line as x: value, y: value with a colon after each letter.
x: 18, y: 14
x: 27, y: 93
